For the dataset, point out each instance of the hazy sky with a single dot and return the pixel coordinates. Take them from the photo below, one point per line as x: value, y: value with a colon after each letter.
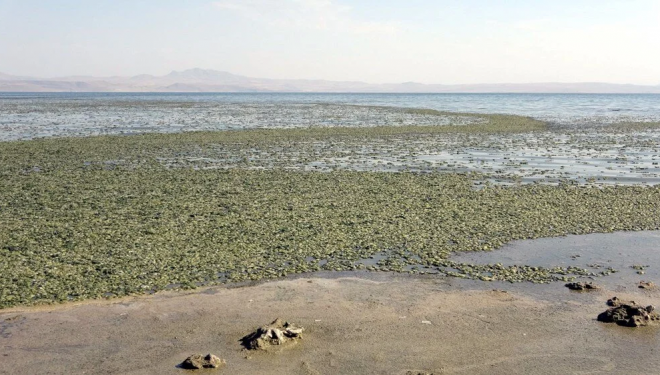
x: 379, y: 41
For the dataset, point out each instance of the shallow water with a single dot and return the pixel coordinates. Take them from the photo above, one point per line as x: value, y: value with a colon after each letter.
x: 549, y: 157
x: 567, y: 153
x: 26, y: 115
x: 634, y: 255
x: 40, y: 118
x: 563, y: 107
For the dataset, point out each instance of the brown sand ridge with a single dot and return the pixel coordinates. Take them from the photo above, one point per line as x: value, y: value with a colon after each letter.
x: 401, y: 325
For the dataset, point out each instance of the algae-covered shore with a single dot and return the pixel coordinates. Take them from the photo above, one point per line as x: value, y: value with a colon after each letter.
x: 111, y: 216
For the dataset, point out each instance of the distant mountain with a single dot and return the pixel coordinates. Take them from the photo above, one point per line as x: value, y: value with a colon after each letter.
x: 7, y: 77
x: 205, y: 76
x: 203, y: 80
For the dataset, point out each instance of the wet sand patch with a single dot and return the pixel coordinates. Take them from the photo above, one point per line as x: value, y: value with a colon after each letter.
x: 353, y: 326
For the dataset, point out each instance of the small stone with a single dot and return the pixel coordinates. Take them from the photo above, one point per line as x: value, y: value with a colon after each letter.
x: 646, y: 285
x: 581, y: 286
x: 198, y: 361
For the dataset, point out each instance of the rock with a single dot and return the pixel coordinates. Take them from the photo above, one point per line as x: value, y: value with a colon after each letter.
x: 628, y: 314
x: 616, y: 302
x: 278, y: 332
x: 582, y: 286
x: 198, y: 361
x: 646, y: 285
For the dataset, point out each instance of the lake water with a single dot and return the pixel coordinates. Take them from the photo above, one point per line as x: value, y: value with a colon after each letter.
x: 562, y: 106
x: 602, y: 158
x: 30, y: 115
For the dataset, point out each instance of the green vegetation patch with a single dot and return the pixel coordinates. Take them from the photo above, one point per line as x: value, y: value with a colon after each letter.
x: 104, y: 216
x: 85, y: 234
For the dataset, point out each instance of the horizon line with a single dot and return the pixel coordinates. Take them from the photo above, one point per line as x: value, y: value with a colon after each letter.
x: 42, y: 78
x: 17, y: 93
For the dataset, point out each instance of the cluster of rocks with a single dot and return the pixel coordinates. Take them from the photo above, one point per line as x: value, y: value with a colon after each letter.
x: 629, y: 313
x: 623, y: 313
x: 279, y: 332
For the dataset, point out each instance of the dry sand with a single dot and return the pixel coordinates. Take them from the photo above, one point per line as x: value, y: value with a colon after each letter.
x: 354, y: 325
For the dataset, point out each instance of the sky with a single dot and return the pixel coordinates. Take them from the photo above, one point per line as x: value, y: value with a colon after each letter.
x: 375, y: 41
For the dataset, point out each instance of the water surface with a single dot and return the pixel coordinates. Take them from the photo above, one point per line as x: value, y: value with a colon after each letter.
x: 30, y: 115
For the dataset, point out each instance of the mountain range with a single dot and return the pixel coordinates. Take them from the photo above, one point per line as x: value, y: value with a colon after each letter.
x: 203, y: 80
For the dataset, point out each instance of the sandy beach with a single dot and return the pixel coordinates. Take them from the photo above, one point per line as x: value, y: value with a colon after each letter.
x: 362, y: 324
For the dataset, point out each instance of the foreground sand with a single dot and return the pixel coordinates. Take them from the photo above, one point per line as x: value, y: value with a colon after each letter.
x: 354, y: 325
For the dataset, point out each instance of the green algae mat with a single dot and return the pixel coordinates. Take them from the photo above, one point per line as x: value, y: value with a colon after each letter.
x: 98, y: 217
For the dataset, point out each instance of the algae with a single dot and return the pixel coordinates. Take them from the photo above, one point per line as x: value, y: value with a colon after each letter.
x: 108, y: 216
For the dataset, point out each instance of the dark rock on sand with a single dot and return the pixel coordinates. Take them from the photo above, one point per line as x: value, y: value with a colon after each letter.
x: 646, y: 285
x: 198, y: 361
x: 278, y: 332
x: 628, y: 314
x: 582, y: 286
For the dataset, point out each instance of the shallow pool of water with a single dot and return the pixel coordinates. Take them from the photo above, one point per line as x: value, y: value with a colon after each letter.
x: 634, y: 255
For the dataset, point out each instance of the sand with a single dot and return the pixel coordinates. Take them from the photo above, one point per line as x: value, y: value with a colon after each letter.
x: 385, y: 324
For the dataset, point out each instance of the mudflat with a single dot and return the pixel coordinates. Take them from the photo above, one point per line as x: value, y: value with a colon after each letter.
x: 362, y: 324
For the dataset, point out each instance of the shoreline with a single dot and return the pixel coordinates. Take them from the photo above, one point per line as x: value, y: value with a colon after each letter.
x: 353, y: 326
